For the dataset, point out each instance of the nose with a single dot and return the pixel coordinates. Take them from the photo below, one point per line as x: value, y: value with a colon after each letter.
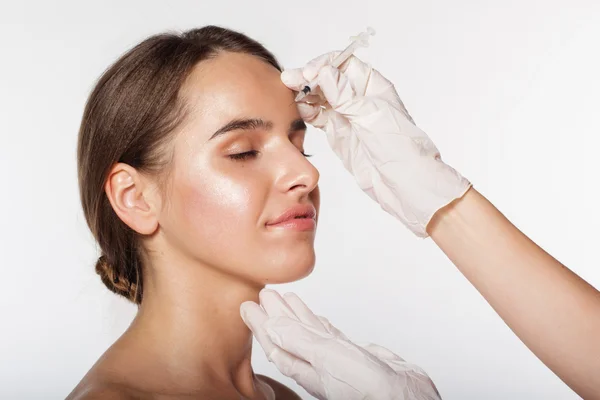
x: 297, y: 174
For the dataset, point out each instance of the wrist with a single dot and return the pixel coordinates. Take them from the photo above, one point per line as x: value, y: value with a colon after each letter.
x: 448, y: 215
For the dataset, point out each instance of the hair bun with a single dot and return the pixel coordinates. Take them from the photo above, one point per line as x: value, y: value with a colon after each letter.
x: 115, y: 279
x: 104, y: 269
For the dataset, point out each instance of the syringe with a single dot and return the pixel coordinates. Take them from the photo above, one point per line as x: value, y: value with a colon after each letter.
x: 362, y: 39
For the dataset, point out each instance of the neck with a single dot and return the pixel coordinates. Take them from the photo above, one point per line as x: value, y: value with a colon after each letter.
x: 190, y: 318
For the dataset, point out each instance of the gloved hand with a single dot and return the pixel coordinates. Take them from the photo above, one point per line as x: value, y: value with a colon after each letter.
x: 322, y: 360
x: 369, y: 128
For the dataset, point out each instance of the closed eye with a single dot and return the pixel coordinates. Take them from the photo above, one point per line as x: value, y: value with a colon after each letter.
x: 252, y: 154
x: 244, y: 156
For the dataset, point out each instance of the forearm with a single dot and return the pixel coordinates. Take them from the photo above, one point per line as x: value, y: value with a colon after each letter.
x: 553, y: 311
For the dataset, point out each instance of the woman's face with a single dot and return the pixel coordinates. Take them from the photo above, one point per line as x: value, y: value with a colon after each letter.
x: 238, y: 167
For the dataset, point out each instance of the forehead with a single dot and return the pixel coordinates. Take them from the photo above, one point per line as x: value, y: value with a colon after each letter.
x: 234, y: 85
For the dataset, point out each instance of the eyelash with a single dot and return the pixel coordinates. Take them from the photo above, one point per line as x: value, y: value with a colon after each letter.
x: 251, y: 154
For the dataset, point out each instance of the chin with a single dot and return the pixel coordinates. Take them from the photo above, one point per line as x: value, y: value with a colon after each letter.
x: 290, y: 268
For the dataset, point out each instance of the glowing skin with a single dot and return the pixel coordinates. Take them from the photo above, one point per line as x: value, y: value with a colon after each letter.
x: 210, y: 245
x: 219, y: 206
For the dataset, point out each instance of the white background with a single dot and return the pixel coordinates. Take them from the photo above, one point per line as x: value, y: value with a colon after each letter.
x: 508, y: 90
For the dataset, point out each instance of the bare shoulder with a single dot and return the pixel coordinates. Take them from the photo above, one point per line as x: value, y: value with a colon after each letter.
x: 96, y: 385
x: 100, y: 391
x: 282, y: 392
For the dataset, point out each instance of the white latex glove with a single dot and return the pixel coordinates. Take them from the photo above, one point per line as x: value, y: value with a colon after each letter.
x: 369, y: 128
x: 322, y: 360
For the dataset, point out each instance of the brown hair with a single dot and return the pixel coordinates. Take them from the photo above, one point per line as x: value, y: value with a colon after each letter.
x: 128, y: 118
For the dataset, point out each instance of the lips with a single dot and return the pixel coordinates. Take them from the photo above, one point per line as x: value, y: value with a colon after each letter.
x: 305, y: 211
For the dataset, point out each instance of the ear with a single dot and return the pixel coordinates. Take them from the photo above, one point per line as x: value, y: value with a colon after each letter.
x: 129, y: 194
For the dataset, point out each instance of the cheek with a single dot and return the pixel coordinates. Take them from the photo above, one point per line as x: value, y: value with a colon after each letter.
x: 219, y: 205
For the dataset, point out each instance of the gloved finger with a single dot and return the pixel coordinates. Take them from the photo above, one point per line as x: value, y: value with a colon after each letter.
x: 382, y: 353
x: 358, y: 72
x: 274, y: 304
x: 300, y: 371
x: 297, y: 78
x: 304, y: 314
x: 309, y: 112
x: 255, y: 317
x: 312, y: 68
x: 368, y: 82
x: 393, y: 360
x: 330, y: 328
x: 335, y: 86
x: 316, y: 115
x: 296, y: 338
x: 293, y: 79
x: 359, y: 75
x: 365, y: 81
x: 315, y: 98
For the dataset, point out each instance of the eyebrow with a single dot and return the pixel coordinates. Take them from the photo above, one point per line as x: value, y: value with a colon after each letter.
x: 256, y: 123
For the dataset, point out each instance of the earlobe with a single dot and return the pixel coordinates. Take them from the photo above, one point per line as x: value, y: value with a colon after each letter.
x: 125, y: 191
